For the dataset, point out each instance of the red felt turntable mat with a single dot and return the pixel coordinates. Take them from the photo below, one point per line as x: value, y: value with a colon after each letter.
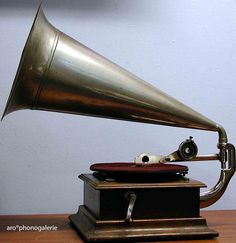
x: 132, y: 168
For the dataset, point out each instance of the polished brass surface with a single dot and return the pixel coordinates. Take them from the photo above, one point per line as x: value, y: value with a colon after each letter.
x: 209, y: 197
x: 57, y: 73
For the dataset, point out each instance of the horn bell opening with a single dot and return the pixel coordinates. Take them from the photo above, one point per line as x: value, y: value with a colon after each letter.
x: 33, y: 64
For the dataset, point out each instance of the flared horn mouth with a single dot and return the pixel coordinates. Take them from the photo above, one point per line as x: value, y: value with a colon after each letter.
x: 57, y: 73
x: 35, y: 53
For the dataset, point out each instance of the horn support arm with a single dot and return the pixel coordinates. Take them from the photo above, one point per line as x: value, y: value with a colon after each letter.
x: 227, y: 171
x: 228, y: 167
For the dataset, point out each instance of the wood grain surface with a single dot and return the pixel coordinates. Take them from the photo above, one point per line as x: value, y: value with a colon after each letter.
x: 222, y: 221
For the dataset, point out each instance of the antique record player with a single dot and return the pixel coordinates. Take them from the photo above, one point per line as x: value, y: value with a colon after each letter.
x: 150, y: 198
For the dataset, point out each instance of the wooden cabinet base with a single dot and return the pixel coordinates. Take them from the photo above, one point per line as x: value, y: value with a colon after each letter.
x: 139, y: 230
x: 162, y: 210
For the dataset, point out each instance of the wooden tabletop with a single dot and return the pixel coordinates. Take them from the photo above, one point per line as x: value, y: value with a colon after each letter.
x: 57, y: 229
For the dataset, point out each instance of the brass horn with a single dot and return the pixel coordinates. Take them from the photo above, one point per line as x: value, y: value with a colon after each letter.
x: 57, y: 73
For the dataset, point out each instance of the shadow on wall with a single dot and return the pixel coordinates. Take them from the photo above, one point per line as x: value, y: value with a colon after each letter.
x: 134, y: 9
x: 85, y: 5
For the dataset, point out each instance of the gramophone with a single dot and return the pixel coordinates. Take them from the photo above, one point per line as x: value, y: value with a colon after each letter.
x: 150, y: 198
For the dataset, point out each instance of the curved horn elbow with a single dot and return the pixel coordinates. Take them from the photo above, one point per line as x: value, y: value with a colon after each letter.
x: 215, y: 193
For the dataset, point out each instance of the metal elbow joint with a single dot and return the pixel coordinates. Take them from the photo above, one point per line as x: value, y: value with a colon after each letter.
x: 228, y: 167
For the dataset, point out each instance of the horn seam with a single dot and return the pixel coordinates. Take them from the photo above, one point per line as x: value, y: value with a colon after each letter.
x: 49, y: 62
